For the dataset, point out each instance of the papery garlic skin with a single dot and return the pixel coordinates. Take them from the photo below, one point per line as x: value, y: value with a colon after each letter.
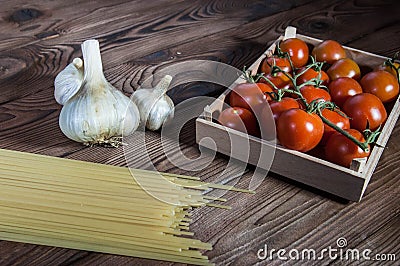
x: 98, y: 113
x: 68, y: 81
x: 96, y: 118
x: 154, y: 105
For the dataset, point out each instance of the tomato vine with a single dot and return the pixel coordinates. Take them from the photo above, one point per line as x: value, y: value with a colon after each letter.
x: 316, y: 106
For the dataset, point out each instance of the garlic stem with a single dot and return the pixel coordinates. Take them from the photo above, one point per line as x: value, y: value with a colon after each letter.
x: 163, y: 84
x: 93, y: 72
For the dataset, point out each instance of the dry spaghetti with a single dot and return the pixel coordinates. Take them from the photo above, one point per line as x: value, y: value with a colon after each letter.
x: 82, y: 205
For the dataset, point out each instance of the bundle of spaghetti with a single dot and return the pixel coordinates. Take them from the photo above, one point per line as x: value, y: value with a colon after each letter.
x: 81, y: 205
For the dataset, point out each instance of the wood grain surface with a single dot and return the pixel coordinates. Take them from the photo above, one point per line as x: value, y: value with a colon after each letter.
x: 140, y: 38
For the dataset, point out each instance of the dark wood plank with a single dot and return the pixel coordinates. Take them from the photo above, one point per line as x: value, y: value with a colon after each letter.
x: 26, y: 23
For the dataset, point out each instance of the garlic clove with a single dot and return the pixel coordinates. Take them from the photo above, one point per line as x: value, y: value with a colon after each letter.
x: 98, y: 113
x: 155, y: 107
x: 162, y: 111
x: 68, y: 81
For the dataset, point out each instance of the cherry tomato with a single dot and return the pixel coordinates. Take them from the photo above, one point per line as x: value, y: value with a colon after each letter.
x: 337, y: 119
x: 365, y: 107
x: 311, y: 93
x: 297, y: 49
x: 328, y: 51
x: 264, y: 87
x: 247, y: 95
x: 280, y: 80
x: 239, y: 119
x: 281, y: 62
x: 284, y: 104
x: 389, y: 69
x: 341, y: 150
x: 382, y: 84
x: 344, y: 67
x: 299, y: 130
x: 310, y: 74
x: 343, y: 88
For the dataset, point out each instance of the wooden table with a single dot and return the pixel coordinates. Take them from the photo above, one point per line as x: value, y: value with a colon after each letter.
x: 39, y: 38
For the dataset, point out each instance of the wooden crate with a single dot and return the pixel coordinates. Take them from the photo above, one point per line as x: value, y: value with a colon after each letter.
x: 348, y: 183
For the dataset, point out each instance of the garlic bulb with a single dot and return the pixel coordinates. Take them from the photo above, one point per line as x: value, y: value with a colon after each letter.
x: 68, y: 81
x: 98, y: 113
x: 154, y: 105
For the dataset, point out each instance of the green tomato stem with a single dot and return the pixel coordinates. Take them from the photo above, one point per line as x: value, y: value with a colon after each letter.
x: 397, y: 71
x: 270, y: 82
x: 390, y: 62
x: 247, y: 76
x: 362, y: 145
x: 298, y: 94
x: 305, y: 70
x: 371, y: 136
x: 285, y: 54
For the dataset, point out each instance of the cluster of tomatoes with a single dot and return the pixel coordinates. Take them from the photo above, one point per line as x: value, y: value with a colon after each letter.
x: 317, y: 99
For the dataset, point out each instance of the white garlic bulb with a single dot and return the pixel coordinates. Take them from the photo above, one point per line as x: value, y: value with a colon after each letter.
x: 68, y: 81
x: 154, y: 105
x: 98, y: 113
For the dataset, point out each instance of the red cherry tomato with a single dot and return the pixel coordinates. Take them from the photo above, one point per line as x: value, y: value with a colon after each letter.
x: 341, y: 150
x: 284, y: 104
x: 310, y: 74
x: 269, y: 62
x: 266, y: 89
x: 311, y: 93
x: 297, y: 50
x: 328, y: 51
x: 343, y: 88
x: 247, y: 95
x: 299, y: 130
x: 365, y: 107
x: 382, y: 84
x: 344, y: 67
x: 280, y: 80
x: 337, y: 119
x: 389, y: 69
x: 239, y: 119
